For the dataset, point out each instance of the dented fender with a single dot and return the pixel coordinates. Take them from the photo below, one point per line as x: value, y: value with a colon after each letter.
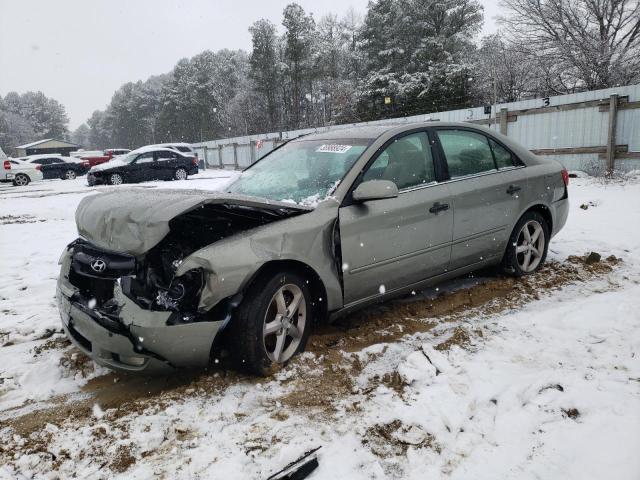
x: 231, y: 263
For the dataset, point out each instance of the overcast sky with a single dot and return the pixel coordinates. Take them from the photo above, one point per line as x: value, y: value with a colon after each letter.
x: 80, y: 51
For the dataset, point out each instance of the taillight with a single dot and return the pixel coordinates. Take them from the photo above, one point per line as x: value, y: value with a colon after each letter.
x: 195, y: 161
x: 565, y: 177
x: 7, y: 165
x: 38, y: 167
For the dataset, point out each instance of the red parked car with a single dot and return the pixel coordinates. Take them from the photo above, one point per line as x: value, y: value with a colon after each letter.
x: 93, y: 160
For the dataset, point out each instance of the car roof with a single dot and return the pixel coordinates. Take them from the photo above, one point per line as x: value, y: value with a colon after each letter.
x: 177, y: 144
x: 372, y: 132
x: 154, y: 148
x: 44, y: 155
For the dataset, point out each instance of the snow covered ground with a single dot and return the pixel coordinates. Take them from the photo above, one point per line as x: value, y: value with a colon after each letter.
x: 482, y: 378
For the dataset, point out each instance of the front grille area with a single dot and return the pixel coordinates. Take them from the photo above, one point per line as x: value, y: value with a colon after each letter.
x: 94, y: 272
x: 92, y: 262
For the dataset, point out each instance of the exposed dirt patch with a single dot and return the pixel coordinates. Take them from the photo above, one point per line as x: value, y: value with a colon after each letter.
x: 75, y: 362
x: 8, y: 219
x: 572, y: 413
x: 57, y: 343
x: 459, y: 337
x: 122, y: 461
x: 395, y: 438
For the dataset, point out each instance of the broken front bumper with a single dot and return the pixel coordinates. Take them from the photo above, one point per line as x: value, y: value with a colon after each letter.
x: 139, y: 339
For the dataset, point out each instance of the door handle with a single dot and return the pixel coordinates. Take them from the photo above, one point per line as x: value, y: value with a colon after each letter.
x: 439, y: 207
x: 513, y: 189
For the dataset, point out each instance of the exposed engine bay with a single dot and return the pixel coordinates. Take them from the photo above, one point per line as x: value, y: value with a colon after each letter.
x: 150, y: 279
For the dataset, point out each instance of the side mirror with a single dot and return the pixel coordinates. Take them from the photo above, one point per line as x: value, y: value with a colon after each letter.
x: 375, y: 190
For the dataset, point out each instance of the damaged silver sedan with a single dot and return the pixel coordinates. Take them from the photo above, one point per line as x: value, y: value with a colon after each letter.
x: 323, y: 225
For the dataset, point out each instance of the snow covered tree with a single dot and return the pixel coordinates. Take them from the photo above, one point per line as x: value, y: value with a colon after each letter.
x: 264, y: 73
x: 100, y: 135
x: 298, y: 41
x: 417, y: 54
x: 14, y: 131
x: 502, y: 73
x: 45, y: 116
x: 579, y: 44
x: 81, y: 136
x: 193, y: 100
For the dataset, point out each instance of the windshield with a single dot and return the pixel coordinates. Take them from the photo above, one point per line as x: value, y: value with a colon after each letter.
x: 302, y: 171
x: 128, y: 158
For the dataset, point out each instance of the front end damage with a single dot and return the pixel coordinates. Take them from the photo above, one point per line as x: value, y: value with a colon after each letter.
x: 139, y: 311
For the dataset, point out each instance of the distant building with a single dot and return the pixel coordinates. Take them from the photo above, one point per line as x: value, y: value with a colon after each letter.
x: 48, y: 145
x: 2, y: 154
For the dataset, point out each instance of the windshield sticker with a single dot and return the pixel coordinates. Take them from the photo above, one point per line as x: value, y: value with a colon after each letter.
x: 333, y: 148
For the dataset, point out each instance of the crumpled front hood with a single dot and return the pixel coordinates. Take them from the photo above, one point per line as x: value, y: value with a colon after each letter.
x: 135, y: 220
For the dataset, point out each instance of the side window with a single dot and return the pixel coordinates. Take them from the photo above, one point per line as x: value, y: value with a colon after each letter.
x: 56, y: 160
x: 145, y: 158
x: 407, y: 162
x: 502, y: 155
x: 164, y: 155
x: 466, y: 152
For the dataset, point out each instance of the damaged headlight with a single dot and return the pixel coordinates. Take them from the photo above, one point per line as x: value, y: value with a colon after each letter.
x: 183, y: 293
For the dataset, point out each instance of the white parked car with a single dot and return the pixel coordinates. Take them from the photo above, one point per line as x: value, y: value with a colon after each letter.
x: 19, y: 173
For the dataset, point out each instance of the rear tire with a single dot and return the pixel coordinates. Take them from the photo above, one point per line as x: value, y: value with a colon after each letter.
x: 21, y: 180
x: 528, y: 245
x: 69, y: 175
x: 272, y: 324
x: 116, y: 179
x: 180, y: 174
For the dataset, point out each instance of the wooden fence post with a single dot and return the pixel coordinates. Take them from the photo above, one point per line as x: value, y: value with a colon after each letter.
x: 503, y: 121
x: 252, y: 152
x: 235, y: 156
x: 220, y: 156
x: 611, y: 133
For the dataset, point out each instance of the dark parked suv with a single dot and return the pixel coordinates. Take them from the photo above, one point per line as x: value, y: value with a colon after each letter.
x: 142, y: 165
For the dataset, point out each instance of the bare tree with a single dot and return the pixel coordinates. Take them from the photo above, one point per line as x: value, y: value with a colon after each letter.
x: 578, y: 44
x: 502, y: 72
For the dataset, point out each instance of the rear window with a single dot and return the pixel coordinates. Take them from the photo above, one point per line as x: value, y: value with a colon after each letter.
x: 184, y: 149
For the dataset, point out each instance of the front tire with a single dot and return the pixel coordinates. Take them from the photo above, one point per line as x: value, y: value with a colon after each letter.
x: 69, y: 175
x: 272, y: 324
x: 180, y: 174
x: 528, y: 246
x: 116, y: 179
x: 21, y: 180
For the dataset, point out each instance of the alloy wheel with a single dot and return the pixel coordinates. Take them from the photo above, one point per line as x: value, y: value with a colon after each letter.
x: 181, y: 174
x: 21, y: 180
x: 530, y: 246
x: 284, y: 323
x: 70, y: 175
x: 116, y: 179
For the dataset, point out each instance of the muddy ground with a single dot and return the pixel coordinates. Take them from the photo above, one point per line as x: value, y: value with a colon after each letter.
x: 335, y: 358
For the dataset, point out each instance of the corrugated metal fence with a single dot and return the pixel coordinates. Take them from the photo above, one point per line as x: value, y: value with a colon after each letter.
x: 590, y: 131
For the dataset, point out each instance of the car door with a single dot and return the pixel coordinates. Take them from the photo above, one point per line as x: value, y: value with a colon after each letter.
x: 392, y: 243
x: 488, y: 191
x: 142, y: 168
x: 46, y: 167
x: 58, y: 167
x: 165, y: 164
